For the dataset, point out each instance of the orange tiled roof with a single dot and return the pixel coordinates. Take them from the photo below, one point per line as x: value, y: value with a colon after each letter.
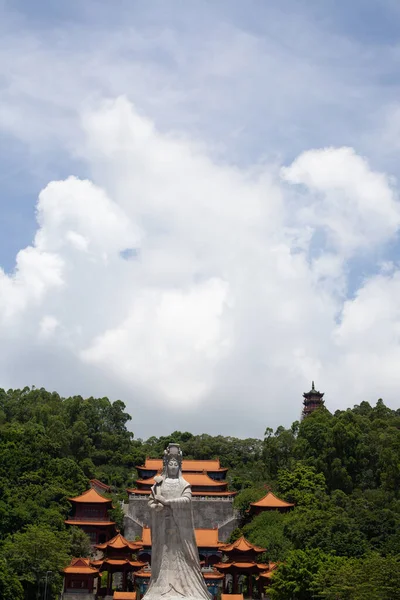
x: 124, y: 596
x: 242, y: 545
x: 271, y: 501
x: 80, y: 566
x: 121, y: 562
x: 92, y: 497
x: 207, y: 493
x: 266, y: 574
x: 212, y: 574
x: 187, y: 465
x: 201, y: 479
x: 205, y: 538
x: 143, y: 573
x: 119, y: 542
x: 94, y: 523
x: 231, y: 596
x: 241, y: 565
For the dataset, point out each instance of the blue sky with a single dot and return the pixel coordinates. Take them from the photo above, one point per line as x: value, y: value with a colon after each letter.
x: 246, y: 88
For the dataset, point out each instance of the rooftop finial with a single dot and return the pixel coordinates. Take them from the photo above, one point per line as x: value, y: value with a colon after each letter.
x: 312, y: 386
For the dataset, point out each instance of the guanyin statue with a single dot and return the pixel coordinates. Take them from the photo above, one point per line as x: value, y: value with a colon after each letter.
x: 175, y: 567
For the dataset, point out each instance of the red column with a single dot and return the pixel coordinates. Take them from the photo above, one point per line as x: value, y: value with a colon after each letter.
x: 124, y: 580
x: 250, y: 585
x: 109, y: 579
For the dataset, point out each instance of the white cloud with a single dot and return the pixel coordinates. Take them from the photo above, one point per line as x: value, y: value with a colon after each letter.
x: 222, y: 303
x: 355, y: 205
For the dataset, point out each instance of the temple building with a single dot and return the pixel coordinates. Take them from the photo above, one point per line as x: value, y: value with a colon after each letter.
x: 120, y: 562
x: 79, y: 580
x: 90, y: 513
x: 212, y: 501
x: 312, y: 401
x: 269, y: 502
x: 241, y: 568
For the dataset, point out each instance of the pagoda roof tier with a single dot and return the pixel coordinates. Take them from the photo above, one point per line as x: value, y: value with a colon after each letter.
x: 271, y: 501
x: 266, y: 574
x: 118, y: 562
x: 89, y: 522
x: 195, y: 479
x: 214, y: 574
x: 118, y: 542
x: 194, y: 466
x: 205, y: 538
x: 241, y: 565
x: 313, y: 392
x: 241, y: 545
x: 91, y: 497
x: 194, y: 493
x: 124, y: 596
x: 231, y: 596
x: 143, y: 573
x: 80, y: 566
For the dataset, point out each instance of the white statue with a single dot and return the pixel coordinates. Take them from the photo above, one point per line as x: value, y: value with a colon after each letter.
x: 175, y: 567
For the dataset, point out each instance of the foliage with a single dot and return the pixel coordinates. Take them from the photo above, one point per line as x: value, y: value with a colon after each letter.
x: 79, y: 543
x: 342, y: 470
x: 245, y: 497
x: 10, y: 586
x: 268, y: 531
x: 295, y: 578
x: 34, y: 553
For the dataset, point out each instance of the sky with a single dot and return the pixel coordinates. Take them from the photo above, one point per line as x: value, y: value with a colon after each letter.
x: 199, y: 206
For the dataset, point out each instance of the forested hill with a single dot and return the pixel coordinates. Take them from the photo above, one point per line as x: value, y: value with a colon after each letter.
x: 341, y: 470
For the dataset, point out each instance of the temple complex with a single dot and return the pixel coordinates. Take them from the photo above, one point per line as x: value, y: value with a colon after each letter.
x: 90, y: 513
x: 312, y: 401
x: 212, y: 501
x: 269, y: 502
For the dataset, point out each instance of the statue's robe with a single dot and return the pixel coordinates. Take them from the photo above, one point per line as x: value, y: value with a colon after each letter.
x: 175, y: 567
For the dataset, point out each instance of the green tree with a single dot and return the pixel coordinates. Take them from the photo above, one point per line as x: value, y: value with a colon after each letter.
x: 10, y: 586
x: 296, y: 577
x: 33, y: 553
x: 80, y: 545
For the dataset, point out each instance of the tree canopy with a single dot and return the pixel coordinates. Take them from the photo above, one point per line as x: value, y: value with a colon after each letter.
x: 342, y: 471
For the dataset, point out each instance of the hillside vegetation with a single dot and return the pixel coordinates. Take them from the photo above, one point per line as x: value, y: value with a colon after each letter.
x: 342, y: 541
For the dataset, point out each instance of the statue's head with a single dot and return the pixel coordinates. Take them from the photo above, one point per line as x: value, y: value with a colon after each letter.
x: 172, y: 461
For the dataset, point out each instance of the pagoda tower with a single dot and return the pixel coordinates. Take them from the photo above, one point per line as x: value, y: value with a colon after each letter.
x: 312, y: 401
x: 241, y: 565
x: 90, y: 513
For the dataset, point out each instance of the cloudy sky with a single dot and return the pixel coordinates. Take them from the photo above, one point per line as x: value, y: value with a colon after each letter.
x: 199, y: 208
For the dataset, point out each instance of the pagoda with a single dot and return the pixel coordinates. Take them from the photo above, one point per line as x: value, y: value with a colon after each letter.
x: 118, y: 558
x: 201, y: 483
x: 312, y: 401
x: 241, y: 568
x: 212, y: 500
x: 206, y: 477
x: 90, y: 513
x: 212, y: 467
x: 79, y: 578
x: 269, y: 502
